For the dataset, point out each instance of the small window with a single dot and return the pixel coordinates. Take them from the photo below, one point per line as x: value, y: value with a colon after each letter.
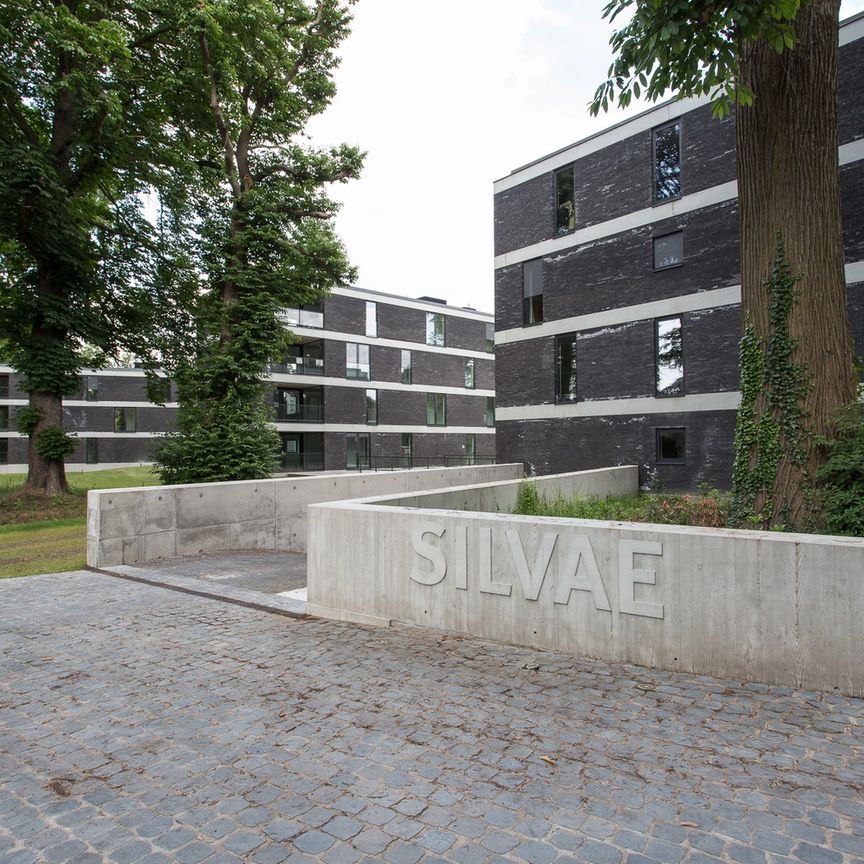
x: 358, y: 451
x: 669, y: 357
x: 4, y: 418
x: 436, y: 409
x: 469, y: 372
x: 371, y: 319
x: 490, y: 411
x: 667, y: 162
x: 357, y: 361
x: 91, y: 391
x: 490, y: 337
x: 565, y: 202
x: 434, y: 328
x: 125, y: 419
x: 671, y: 446
x: 372, y: 407
x: 91, y: 451
x: 565, y: 366
x: 405, y: 372
x: 4, y: 386
x: 4, y: 451
x: 471, y: 449
x: 532, y: 291
x: 407, y: 449
x: 669, y: 250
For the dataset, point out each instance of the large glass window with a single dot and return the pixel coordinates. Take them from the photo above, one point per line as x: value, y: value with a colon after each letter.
x: 4, y: 386
x: 669, y: 250
x: 490, y: 337
x: 371, y: 318
x: 490, y: 411
x: 532, y: 291
x: 4, y: 418
x: 667, y: 162
x: 304, y: 316
x: 469, y: 372
x: 293, y: 405
x: 470, y: 449
x: 91, y: 390
x: 357, y: 361
x: 91, y: 451
x: 358, y: 450
x: 406, y: 371
x: 125, y: 419
x: 306, y: 358
x: 407, y: 449
x: 565, y: 363
x: 670, y: 357
x: 671, y: 446
x: 565, y: 201
x: 436, y: 409
x: 372, y: 407
x: 434, y: 328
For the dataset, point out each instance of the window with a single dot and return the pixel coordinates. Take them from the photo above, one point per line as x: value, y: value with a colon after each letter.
x: 469, y: 372
x: 4, y: 450
x: 667, y: 162
x: 358, y: 450
x: 490, y: 337
x: 532, y: 291
x: 470, y: 449
x: 91, y: 390
x: 669, y: 250
x: 306, y: 358
x: 436, y: 409
x: 671, y: 446
x: 372, y: 407
x: 4, y: 418
x: 125, y: 419
x: 293, y: 405
x: 91, y: 451
x: 490, y: 411
x: 357, y: 361
x: 434, y: 328
x: 310, y: 315
x: 565, y: 367
x: 405, y: 373
x: 4, y: 386
x: 669, y: 357
x: 565, y: 202
x: 407, y: 449
x: 371, y: 318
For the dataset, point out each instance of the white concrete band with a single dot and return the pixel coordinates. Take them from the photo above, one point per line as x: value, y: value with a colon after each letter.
x: 409, y: 303
x: 385, y: 429
x: 315, y: 381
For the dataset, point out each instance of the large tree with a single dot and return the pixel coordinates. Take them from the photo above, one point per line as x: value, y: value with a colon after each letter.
x: 775, y: 63
x: 80, y: 128
x: 249, y: 77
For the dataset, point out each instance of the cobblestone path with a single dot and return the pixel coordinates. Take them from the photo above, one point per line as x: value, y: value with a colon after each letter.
x: 144, y: 725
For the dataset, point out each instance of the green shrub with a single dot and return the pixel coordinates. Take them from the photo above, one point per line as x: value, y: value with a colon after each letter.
x: 842, y: 476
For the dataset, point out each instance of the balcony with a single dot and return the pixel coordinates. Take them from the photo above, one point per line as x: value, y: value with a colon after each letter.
x: 303, y: 414
x: 299, y: 366
x: 302, y: 318
x: 302, y: 461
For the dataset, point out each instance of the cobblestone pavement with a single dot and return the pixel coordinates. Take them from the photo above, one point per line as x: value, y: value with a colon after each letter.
x: 144, y: 725
x: 270, y: 572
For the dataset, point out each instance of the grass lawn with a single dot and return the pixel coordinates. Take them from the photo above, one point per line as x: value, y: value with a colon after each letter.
x: 49, y: 535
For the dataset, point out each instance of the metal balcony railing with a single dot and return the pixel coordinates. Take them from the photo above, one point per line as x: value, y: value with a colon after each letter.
x: 306, y: 414
x: 392, y: 463
x: 299, y: 366
x: 302, y: 318
x: 303, y: 461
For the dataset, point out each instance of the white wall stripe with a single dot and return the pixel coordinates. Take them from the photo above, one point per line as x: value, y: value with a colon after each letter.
x: 314, y: 381
x: 385, y: 429
x: 726, y: 401
x: 855, y: 273
x: 410, y: 303
x: 852, y: 29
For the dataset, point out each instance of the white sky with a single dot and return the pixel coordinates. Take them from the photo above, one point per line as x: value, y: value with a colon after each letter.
x: 447, y: 97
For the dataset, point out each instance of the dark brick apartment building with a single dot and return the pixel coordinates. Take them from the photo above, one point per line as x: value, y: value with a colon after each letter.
x: 375, y: 380
x: 617, y: 290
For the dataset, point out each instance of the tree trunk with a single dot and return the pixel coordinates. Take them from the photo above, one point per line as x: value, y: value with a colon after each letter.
x: 45, y: 476
x: 788, y: 183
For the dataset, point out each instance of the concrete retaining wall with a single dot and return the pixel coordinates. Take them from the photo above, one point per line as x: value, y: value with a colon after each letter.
x: 777, y: 608
x: 128, y: 526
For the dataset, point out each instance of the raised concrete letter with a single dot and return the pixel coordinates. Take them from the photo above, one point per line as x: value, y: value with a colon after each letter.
x: 484, y: 565
x: 581, y: 554
x: 628, y: 576
x: 429, y: 552
x: 531, y: 578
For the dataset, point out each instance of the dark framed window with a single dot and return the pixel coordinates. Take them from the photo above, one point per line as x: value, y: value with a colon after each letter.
x: 565, y: 201
x: 310, y: 315
x: 4, y: 418
x: 565, y: 368
x: 4, y: 451
x: 407, y: 449
x: 436, y: 409
x: 435, y: 334
x: 91, y: 389
x: 298, y: 405
x: 304, y: 358
x: 371, y: 319
x: 372, y: 407
x: 490, y: 337
x: 469, y: 372
x: 406, y: 369
x: 91, y: 451
x: 532, y: 291
x: 358, y: 450
x: 490, y: 411
x: 125, y: 419
x: 669, y: 250
x: 669, y: 357
x: 470, y: 449
x: 4, y: 386
x: 357, y: 361
x: 671, y: 446
x: 666, y: 150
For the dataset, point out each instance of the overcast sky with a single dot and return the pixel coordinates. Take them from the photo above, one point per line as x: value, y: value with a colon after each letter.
x: 447, y: 97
